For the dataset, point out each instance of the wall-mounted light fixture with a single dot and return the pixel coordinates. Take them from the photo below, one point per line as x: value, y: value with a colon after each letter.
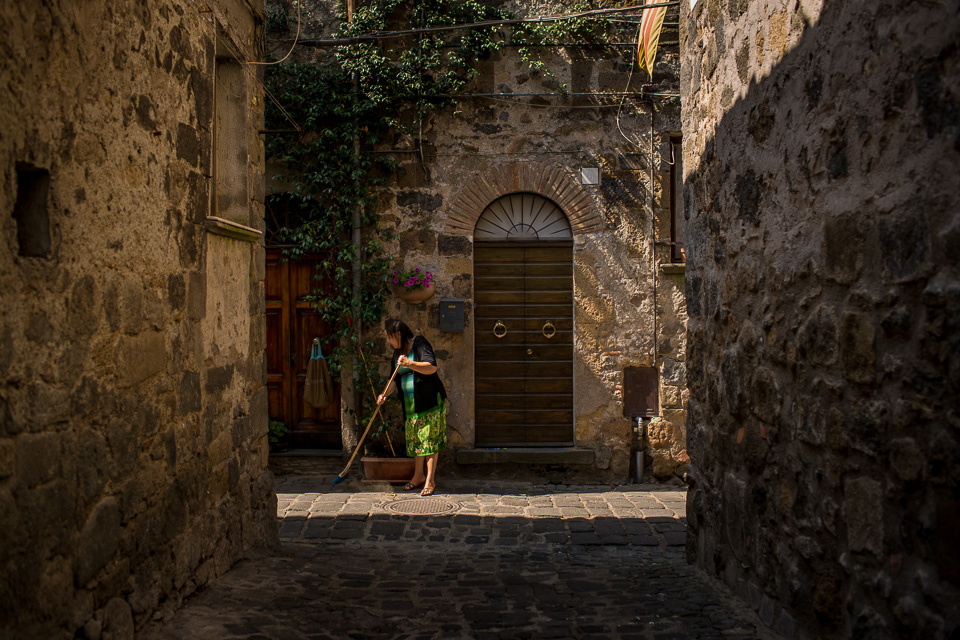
x: 589, y: 175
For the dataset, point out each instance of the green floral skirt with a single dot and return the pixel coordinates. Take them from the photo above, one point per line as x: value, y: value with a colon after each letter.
x: 427, y: 432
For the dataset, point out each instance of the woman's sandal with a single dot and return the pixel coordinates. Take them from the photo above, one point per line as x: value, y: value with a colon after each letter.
x: 410, y: 486
x: 428, y: 491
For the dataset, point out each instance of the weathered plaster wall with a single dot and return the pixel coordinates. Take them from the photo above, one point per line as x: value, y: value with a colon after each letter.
x: 821, y: 155
x: 132, y: 405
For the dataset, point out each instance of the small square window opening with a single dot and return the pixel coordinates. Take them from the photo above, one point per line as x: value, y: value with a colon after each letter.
x: 30, y: 211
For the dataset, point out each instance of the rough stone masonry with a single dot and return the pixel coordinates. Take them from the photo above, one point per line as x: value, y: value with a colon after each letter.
x: 822, y: 142
x: 628, y: 311
x: 132, y: 405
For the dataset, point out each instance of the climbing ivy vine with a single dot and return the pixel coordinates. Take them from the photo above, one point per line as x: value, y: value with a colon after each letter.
x: 356, y: 98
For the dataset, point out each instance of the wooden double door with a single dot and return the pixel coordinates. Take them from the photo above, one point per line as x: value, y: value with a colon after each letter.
x: 523, y: 294
x: 292, y: 326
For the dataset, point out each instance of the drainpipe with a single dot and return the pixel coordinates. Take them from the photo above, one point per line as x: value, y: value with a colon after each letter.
x: 654, y: 275
x: 653, y: 236
x: 638, y: 453
x: 356, y: 208
x: 355, y: 306
x: 356, y: 236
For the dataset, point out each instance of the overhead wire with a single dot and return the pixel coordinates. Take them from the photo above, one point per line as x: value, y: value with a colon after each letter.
x: 478, y: 25
x: 549, y: 106
x: 457, y: 154
x: 245, y: 64
x: 292, y: 46
x: 624, y: 99
x: 487, y: 23
x: 551, y: 18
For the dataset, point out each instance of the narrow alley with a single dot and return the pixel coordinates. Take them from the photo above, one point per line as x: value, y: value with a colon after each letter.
x: 481, y: 559
x: 548, y: 249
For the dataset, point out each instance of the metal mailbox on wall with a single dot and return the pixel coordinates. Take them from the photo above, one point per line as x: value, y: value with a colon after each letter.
x: 451, y: 314
x: 641, y: 392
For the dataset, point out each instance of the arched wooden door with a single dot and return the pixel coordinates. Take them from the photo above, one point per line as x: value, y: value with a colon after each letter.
x: 523, y: 295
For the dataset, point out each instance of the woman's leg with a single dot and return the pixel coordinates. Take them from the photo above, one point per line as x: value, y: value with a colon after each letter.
x: 411, y: 442
x: 430, y: 481
x: 418, y: 477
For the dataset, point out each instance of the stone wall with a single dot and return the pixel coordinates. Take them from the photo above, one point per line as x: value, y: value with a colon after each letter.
x: 821, y: 154
x: 617, y: 287
x: 132, y: 403
x: 487, y: 148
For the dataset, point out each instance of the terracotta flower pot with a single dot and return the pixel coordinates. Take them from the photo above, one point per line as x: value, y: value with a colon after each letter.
x: 392, y: 470
x: 412, y: 295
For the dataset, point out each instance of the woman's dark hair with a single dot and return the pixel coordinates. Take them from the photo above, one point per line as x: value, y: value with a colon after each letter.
x: 393, y: 326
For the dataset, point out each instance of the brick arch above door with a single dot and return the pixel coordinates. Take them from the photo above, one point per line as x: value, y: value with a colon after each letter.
x: 550, y: 181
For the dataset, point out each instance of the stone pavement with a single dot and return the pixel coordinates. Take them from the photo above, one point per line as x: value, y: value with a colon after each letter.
x: 493, y: 560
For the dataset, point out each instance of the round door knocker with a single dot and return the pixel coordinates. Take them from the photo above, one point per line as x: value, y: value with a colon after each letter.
x: 553, y: 330
x: 498, y: 326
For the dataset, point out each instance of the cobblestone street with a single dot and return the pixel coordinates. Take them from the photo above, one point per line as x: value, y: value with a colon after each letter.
x: 486, y: 560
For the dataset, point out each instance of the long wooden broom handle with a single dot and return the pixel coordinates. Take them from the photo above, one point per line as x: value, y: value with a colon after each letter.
x: 385, y: 434
x: 372, y: 418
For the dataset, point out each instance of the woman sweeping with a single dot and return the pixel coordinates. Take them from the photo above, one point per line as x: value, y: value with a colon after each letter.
x: 423, y: 400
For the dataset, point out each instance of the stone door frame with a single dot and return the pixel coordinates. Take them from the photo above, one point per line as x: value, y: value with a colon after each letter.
x: 553, y: 182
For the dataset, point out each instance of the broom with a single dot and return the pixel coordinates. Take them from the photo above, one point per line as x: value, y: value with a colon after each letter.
x: 386, y: 435
x: 346, y: 469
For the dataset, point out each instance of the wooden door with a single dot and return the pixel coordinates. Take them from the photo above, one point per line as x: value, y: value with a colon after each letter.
x: 292, y: 325
x: 524, y: 343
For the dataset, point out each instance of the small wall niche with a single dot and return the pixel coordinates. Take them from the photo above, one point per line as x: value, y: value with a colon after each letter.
x: 31, y: 212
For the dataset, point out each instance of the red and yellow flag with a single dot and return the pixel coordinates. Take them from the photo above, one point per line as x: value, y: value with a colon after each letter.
x: 650, y: 26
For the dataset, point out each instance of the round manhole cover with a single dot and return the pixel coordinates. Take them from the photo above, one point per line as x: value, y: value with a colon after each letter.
x: 421, y: 506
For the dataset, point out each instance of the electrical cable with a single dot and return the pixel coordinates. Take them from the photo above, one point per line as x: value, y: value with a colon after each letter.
x: 549, y: 106
x: 245, y: 65
x: 295, y: 38
x: 242, y: 59
x: 538, y: 152
x: 624, y: 99
x: 477, y: 25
